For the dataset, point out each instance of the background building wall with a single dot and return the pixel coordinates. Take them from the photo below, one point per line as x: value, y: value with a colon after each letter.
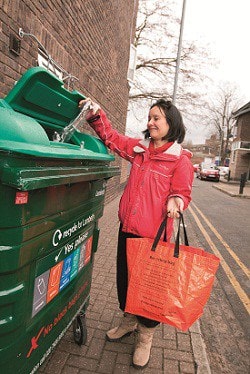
x: 243, y: 133
x: 89, y: 39
x: 240, y: 156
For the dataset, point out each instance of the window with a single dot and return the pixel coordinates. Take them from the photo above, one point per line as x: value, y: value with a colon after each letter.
x: 245, y: 145
x: 235, y: 145
x: 240, y: 145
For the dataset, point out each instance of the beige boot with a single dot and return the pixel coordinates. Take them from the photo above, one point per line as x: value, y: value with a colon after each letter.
x: 127, y: 326
x: 143, y: 346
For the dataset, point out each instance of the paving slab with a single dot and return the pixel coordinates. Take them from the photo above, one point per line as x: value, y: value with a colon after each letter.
x: 173, y: 351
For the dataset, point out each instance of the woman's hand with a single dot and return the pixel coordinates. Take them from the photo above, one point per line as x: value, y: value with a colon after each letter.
x: 175, y: 205
x: 90, y: 105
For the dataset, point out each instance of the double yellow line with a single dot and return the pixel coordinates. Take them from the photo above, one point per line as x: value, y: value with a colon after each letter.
x: 240, y: 292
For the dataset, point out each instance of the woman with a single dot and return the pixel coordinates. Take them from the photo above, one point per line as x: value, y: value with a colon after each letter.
x: 160, y: 183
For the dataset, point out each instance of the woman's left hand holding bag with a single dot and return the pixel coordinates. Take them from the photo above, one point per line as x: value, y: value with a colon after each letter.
x: 174, y: 205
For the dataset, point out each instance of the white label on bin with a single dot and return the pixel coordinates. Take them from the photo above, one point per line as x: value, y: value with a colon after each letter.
x: 40, y: 292
x: 69, y: 247
x: 58, y: 234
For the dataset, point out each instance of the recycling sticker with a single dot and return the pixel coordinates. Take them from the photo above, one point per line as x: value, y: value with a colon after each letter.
x: 62, y: 270
x: 68, y: 232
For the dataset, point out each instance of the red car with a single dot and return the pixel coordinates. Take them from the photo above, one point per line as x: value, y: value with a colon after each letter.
x: 195, y: 166
x: 208, y: 173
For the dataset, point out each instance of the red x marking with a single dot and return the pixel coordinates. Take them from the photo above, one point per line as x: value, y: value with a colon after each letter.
x: 34, y: 341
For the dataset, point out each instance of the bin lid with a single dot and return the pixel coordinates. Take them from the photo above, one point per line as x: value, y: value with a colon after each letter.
x: 41, y: 95
x: 39, y: 102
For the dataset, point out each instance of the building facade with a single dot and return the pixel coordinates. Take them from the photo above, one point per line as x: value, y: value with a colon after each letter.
x: 240, y: 150
x: 85, y: 43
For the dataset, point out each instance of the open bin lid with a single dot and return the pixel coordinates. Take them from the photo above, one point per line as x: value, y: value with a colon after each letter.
x: 39, y: 102
x: 41, y: 95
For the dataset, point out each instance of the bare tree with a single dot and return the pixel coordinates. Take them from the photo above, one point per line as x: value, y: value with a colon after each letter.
x: 220, y: 117
x: 156, y: 40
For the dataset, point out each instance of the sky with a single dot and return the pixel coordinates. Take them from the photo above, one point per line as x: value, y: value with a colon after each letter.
x: 223, y: 25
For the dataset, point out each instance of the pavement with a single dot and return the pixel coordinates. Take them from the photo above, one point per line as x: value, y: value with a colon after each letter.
x: 172, y: 351
x: 233, y: 188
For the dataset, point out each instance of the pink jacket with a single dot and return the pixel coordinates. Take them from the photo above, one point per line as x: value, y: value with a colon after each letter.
x: 153, y: 179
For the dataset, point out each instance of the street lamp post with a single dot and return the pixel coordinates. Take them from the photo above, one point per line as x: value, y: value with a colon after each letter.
x: 179, y: 52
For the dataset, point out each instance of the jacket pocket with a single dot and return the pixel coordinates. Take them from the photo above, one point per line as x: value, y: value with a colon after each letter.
x: 160, y: 184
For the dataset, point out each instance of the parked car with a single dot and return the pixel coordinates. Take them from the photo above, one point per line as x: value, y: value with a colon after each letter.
x: 207, y: 172
x: 223, y: 170
x: 195, y: 166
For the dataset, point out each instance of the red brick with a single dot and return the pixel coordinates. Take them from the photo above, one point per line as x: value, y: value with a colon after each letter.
x: 90, y: 40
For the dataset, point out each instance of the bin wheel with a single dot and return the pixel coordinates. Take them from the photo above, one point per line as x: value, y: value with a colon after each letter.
x: 80, y: 330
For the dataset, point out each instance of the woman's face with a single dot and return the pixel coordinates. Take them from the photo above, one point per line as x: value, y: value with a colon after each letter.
x: 157, y: 123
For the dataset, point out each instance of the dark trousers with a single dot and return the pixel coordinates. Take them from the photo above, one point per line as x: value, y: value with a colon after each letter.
x: 122, y: 275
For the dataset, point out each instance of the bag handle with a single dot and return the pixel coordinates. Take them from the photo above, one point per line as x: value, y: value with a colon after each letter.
x: 177, y: 239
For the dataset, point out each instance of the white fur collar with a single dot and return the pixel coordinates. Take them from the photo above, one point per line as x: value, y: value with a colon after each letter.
x: 175, y: 148
x: 145, y: 143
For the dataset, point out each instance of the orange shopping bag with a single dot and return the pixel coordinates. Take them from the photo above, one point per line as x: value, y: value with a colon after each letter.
x: 169, y: 282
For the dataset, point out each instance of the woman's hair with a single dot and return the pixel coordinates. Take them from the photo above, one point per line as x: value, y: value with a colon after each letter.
x: 176, y: 130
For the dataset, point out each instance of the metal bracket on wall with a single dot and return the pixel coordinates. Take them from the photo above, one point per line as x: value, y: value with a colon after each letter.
x: 50, y: 61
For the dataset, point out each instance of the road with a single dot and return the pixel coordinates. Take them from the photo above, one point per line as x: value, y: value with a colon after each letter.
x: 220, y: 224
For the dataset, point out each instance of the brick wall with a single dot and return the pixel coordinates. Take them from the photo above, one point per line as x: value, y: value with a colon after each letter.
x: 90, y: 39
x: 240, y: 158
x: 243, y: 132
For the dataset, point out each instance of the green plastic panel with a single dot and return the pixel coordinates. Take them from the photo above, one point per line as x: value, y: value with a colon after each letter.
x: 37, y: 107
x: 26, y: 179
x: 40, y: 94
x: 16, y: 127
x: 47, y: 255
x: 52, y: 196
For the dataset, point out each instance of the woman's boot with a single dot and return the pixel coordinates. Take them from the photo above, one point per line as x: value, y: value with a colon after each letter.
x: 143, y: 346
x: 127, y: 326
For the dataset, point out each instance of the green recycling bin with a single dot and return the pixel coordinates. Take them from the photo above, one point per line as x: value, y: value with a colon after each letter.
x: 52, y: 195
